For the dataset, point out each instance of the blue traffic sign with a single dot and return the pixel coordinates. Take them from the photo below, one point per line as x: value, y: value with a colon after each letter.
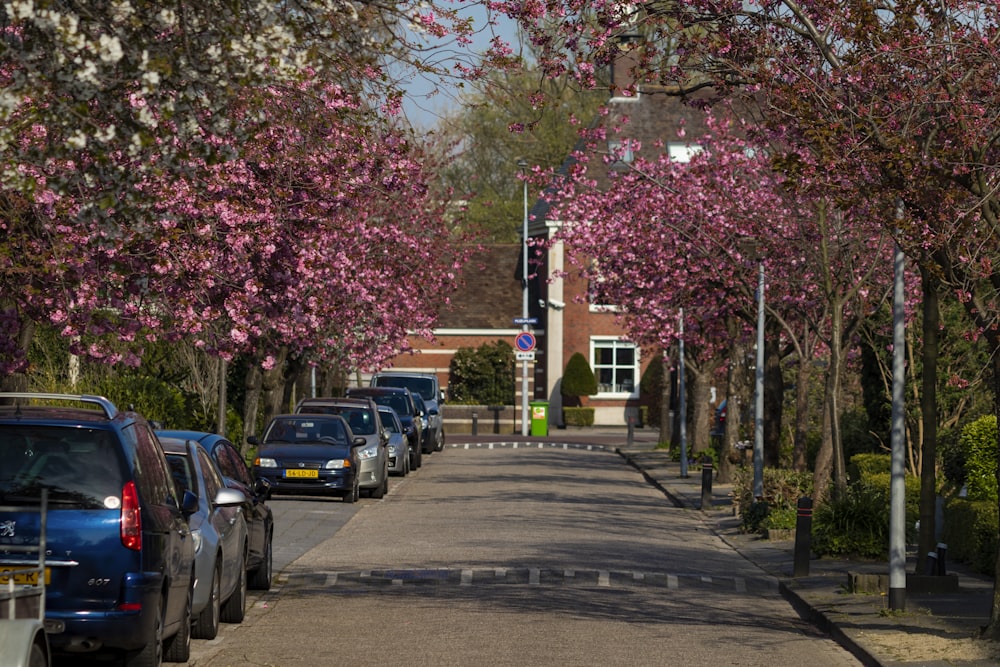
x: 525, y: 341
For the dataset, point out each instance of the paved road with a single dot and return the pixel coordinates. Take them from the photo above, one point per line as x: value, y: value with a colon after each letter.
x: 514, y: 556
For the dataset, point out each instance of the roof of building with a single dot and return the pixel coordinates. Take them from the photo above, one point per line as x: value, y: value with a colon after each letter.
x: 490, y: 295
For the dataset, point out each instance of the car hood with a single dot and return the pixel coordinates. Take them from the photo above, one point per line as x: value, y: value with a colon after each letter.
x: 310, y: 452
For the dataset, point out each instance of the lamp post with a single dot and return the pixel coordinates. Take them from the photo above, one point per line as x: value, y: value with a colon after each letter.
x: 522, y: 166
x: 752, y: 246
x: 681, y: 402
x: 758, y: 402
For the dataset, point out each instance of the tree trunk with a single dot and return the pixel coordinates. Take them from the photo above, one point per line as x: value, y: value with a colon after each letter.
x: 803, y: 376
x: 18, y: 381
x: 926, y: 541
x: 273, y: 386
x: 729, y: 456
x: 701, y: 407
x: 251, y: 401
x: 774, y: 397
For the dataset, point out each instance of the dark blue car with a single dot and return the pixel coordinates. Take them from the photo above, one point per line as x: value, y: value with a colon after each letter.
x: 120, y: 569
x: 311, y: 454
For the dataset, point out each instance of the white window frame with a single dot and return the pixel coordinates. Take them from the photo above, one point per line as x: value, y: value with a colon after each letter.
x: 616, y: 343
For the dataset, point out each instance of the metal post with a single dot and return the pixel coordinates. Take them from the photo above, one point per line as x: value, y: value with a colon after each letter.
x: 803, y: 537
x: 706, y: 485
x: 897, y: 485
x: 475, y: 423
x: 758, y: 409
x: 681, y: 404
x: 631, y: 431
x: 522, y: 166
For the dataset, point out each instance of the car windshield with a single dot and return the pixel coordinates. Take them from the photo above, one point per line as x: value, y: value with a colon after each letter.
x: 388, y: 422
x: 418, y: 385
x: 306, y: 430
x: 358, y: 418
x: 79, y: 466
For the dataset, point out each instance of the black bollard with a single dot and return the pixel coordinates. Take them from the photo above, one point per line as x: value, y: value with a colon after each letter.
x: 942, y: 552
x: 706, y: 485
x: 932, y: 564
x: 803, y: 537
x: 475, y: 423
x: 631, y: 431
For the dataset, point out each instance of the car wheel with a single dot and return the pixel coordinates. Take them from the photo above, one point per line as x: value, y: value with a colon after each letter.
x: 151, y: 655
x: 440, y: 442
x: 235, y: 606
x: 178, y: 647
x: 379, y: 491
x: 38, y: 658
x: 352, y: 495
x: 207, y: 625
x: 260, y: 579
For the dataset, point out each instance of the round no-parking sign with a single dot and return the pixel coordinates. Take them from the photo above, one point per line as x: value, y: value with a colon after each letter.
x: 525, y: 341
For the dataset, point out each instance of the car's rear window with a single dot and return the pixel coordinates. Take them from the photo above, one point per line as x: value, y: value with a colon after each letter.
x: 79, y: 466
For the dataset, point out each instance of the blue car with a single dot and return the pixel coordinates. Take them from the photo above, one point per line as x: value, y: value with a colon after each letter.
x: 221, y: 543
x: 311, y: 454
x: 120, y: 565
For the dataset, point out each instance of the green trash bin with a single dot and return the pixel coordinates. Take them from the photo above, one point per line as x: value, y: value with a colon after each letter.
x: 539, y: 418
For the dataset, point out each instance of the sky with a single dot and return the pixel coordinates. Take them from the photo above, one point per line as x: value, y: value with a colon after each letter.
x: 428, y: 99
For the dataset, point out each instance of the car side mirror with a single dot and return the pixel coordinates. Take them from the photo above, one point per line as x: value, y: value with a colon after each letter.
x: 434, y: 412
x: 359, y: 441
x: 253, y: 440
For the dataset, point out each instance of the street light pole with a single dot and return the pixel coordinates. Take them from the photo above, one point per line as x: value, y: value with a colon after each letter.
x: 758, y: 410
x: 522, y: 166
x: 681, y: 391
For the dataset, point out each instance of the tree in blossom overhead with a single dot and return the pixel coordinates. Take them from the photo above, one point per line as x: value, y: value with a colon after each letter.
x: 898, y: 99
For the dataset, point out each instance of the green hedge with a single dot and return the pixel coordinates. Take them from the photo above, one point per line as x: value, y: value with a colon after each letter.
x: 970, y: 531
x: 979, y: 444
x: 578, y: 416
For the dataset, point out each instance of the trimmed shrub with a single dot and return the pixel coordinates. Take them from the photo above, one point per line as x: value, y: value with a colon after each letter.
x: 578, y: 378
x: 863, y: 465
x: 578, y: 416
x: 979, y: 444
x: 483, y: 375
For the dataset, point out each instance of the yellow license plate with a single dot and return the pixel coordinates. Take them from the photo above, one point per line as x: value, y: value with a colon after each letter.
x: 309, y: 474
x: 26, y: 578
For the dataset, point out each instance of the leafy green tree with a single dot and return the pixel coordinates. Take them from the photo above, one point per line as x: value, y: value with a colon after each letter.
x: 510, y: 116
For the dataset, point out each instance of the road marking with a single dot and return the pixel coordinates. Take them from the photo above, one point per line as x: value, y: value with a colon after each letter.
x: 741, y: 585
x: 672, y: 582
x: 466, y: 577
x: 534, y: 575
x: 604, y: 578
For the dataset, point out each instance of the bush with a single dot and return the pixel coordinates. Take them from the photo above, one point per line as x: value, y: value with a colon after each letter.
x: 855, y: 524
x: 970, y: 531
x: 578, y: 416
x: 782, y: 490
x: 483, y: 375
x: 863, y: 465
x: 578, y: 379
x: 979, y: 445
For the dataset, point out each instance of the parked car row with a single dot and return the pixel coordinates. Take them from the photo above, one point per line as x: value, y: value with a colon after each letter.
x: 153, y: 537
x: 348, y: 446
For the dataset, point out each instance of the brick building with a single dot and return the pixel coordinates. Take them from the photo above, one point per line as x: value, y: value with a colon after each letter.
x: 568, y: 322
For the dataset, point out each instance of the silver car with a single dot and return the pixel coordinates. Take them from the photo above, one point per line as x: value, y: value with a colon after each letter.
x: 361, y: 415
x: 220, y: 537
x: 399, y: 460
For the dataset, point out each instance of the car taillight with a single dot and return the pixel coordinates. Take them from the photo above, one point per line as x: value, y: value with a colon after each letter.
x: 131, y: 523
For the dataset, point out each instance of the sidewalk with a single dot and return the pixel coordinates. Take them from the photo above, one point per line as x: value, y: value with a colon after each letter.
x: 935, y: 629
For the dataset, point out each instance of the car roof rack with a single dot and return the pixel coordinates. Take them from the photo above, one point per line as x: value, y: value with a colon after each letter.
x: 109, y: 408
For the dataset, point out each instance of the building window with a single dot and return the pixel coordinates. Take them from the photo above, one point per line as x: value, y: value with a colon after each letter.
x: 616, y: 366
x: 621, y: 152
x: 683, y: 153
